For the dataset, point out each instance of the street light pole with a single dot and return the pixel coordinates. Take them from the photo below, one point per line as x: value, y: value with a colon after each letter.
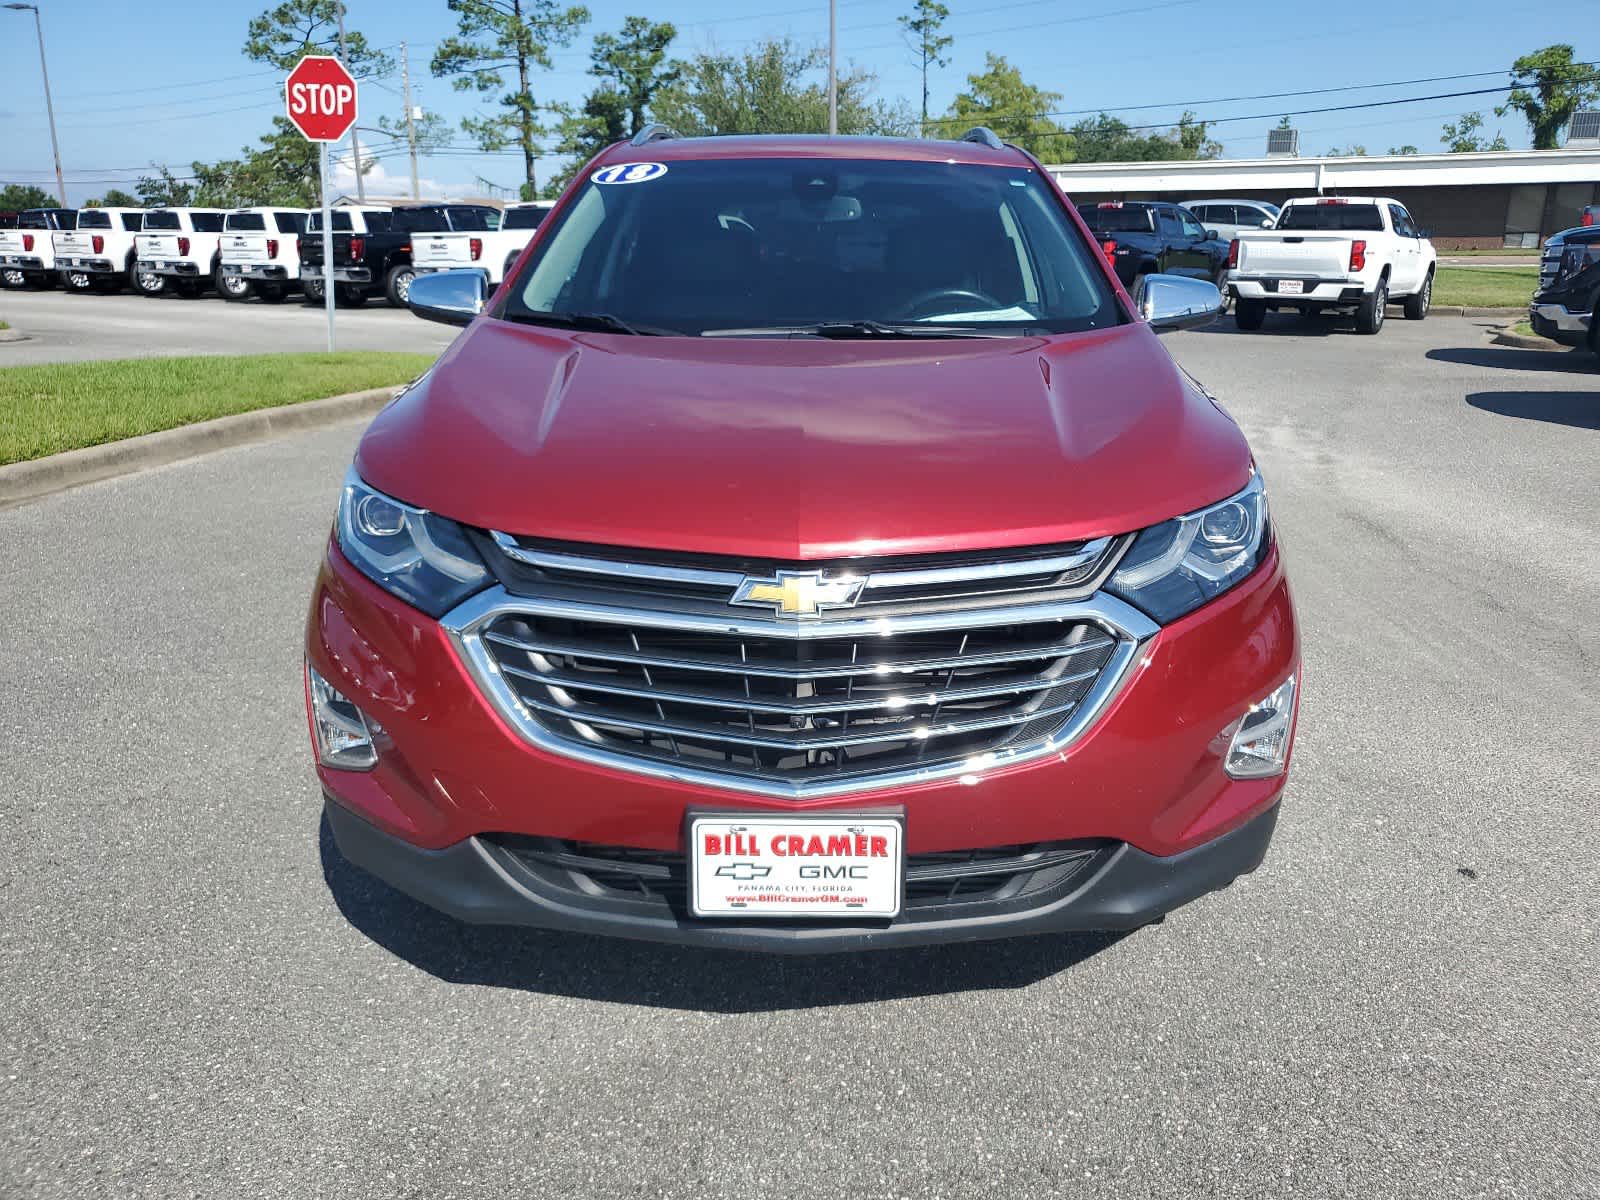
x: 355, y: 142
x: 55, y: 147
x: 833, y: 67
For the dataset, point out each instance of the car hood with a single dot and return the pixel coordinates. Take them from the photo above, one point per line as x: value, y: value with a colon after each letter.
x: 804, y: 448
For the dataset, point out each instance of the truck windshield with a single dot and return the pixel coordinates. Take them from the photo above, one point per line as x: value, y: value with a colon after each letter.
x: 785, y: 246
x: 1122, y: 218
x: 1354, y: 217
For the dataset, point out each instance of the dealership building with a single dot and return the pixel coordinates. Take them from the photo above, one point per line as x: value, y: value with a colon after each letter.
x: 1494, y: 198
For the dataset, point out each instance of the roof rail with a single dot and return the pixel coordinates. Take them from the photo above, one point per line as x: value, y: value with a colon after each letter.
x: 984, y: 136
x: 653, y: 132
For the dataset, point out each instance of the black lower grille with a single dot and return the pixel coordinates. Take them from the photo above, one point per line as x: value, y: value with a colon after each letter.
x: 933, y: 881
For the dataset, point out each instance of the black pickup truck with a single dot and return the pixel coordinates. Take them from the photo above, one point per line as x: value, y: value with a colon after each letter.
x: 1566, y: 308
x: 1143, y: 238
x: 372, y: 247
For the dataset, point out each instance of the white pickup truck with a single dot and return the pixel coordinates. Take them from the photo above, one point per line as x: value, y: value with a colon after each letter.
x: 491, y: 251
x: 260, y: 252
x: 179, y: 246
x: 27, y: 255
x: 99, y: 253
x: 1356, y: 253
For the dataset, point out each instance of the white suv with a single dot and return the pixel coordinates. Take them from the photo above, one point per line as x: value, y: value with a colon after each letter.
x: 1230, y: 218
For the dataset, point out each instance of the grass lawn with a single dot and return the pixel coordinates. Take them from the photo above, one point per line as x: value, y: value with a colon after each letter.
x: 1524, y: 328
x: 1485, y: 287
x: 1495, y: 252
x: 66, y: 406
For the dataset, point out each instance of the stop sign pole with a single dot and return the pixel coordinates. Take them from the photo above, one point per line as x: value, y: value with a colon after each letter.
x: 320, y: 95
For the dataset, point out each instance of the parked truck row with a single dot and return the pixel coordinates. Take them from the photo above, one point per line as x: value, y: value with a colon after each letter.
x: 270, y: 251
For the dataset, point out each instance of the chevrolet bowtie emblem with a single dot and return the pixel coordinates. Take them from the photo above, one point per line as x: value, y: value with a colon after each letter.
x: 798, y: 593
x: 744, y: 872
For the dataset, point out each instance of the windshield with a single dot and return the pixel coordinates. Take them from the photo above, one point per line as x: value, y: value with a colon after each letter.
x: 782, y: 245
x: 1121, y: 218
x: 1361, y: 217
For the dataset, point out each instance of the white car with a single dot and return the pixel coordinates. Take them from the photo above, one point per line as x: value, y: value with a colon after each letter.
x: 491, y: 251
x: 27, y: 254
x: 99, y: 253
x: 1351, y: 253
x: 1230, y: 218
x: 179, y: 247
x: 260, y: 252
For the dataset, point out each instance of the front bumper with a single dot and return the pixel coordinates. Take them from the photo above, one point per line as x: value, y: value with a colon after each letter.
x: 1314, y: 290
x: 1145, y: 777
x: 1568, y: 326
x: 478, y: 881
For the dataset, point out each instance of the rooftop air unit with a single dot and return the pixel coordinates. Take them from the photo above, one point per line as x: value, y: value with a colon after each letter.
x: 1283, y: 143
x: 1584, y: 132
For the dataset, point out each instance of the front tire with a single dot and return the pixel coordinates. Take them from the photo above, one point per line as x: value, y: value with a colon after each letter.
x: 397, y: 284
x: 1417, y: 306
x: 1249, y: 315
x: 1373, y: 309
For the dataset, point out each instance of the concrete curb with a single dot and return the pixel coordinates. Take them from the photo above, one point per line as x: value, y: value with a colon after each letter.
x: 25, y: 481
x: 1457, y: 310
x: 12, y: 335
x: 1522, y: 341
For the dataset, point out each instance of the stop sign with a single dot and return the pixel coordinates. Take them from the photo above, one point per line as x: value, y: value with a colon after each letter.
x: 321, y: 96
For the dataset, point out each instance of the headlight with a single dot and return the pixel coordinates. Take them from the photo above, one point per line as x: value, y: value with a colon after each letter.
x: 423, y: 558
x: 1175, y: 567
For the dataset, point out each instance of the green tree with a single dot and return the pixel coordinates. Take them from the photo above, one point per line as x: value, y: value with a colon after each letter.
x: 766, y: 90
x: 999, y: 97
x: 15, y: 196
x: 1284, y: 123
x: 1353, y: 150
x: 431, y: 130
x: 282, y: 36
x: 1408, y: 148
x: 1461, y: 136
x: 634, y: 65
x: 1104, y: 138
x: 163, y: 189
x: 1550, y: 87
x: 117, y: 198
x: 927, y: 44
x: 496, y: 36
x: 1192, y: 137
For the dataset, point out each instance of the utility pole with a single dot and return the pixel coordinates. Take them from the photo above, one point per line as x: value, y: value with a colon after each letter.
x: 55, y: 148
x: 833, y: 67
x: 411, y: 128
x: 355, y: 141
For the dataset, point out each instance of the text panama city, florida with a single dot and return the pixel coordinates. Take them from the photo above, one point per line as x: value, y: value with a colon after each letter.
x: 742, y: 844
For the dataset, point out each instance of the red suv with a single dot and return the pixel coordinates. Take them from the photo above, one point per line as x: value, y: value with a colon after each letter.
x: 808, y: 547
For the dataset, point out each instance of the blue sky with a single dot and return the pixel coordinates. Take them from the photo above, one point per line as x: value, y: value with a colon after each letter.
x: 165, y: 81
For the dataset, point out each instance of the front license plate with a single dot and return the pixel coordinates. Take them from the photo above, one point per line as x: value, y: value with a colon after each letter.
x: 1291, y: 287
x: 757, y: 866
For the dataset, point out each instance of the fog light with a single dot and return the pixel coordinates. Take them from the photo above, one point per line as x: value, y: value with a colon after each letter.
x: 1260, y: 746
x: 344, y: 734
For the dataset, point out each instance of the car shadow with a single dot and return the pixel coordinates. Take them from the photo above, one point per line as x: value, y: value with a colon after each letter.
x: 1284, y: 325
x: 1512, y: 359
x: 1581, y: 410
x: 660, y: 976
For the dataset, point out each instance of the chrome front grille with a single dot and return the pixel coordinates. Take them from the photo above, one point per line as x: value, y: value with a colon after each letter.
x: 682, y: 684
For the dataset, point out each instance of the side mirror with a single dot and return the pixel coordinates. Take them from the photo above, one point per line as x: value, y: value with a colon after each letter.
x: 1211, y: 235
x: 1168, y: 302
x: 450, y: 297
x: 1267, y: 224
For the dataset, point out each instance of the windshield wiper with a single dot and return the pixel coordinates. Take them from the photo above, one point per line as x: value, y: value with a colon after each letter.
x: 843, y: 330
x: 598, y: 321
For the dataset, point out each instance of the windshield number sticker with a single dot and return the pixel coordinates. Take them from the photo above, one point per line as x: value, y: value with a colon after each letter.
x: 639, y: 172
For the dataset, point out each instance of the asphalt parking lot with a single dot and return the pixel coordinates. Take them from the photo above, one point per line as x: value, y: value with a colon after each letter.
x: 205, y: 1000
x: 61, y: 327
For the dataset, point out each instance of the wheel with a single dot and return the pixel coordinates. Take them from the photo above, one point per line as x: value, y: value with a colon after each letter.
x: 312, y: 289
x: 148, y: 282
x: 1370, y: 314
x: 397, y: 284
x: 1221, y: 282
x: 1417, y: 306
x: 77, y: 281
x: 350, y: 295
x: 1249, y: 315
x: 233, y: 287
x: 13, y: 278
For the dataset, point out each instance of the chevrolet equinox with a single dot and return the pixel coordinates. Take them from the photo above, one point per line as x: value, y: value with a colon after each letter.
x: 809, y: 546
